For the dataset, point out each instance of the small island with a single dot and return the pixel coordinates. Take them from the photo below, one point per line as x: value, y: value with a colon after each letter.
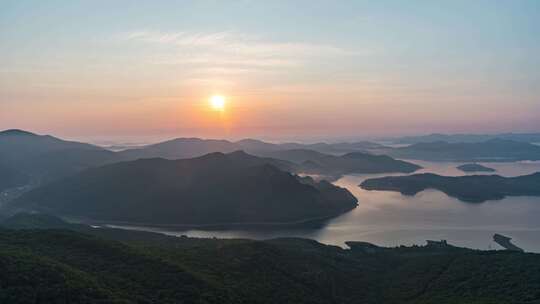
x: 471, y: 188
x: 505, y: 242
x: 475, y: 168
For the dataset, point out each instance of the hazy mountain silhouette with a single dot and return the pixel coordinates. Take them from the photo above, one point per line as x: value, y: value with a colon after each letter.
x: 313, y: 162
x: 255, y: 146
x: 44, y: 157
x: 470, y: 138
x: 471, y: 188
x: 215, y: 188
x: 192, y: 147
x: 307, y: 157
x: 475, y: 168
x: 252, y: 145
x: 491, y: 150
x: 181, y: 148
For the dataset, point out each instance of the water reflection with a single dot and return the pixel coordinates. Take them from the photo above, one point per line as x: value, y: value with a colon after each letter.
x: 391, y: 219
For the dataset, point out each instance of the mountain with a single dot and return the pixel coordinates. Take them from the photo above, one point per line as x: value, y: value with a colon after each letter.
x: 305, y: 156
x: 491, y: 150
x: 313, y: 162
x: 10, y: 178
x: 180, y: 148
x: 471, y: 188
x: 193, y: 147
x: 333, y: 148
x: 19, y: 144
x: 470, y: 138
x: 86, y: 265
x: 213, y: 189
x: 45, y: 158
x: 253, y: 145
x: 475, y: 168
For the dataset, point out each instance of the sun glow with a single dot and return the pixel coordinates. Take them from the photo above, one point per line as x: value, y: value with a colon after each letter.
x: 217, y: 102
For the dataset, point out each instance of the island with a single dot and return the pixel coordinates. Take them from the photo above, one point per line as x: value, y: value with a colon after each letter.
x: 505, y: 242
x: 473, y: 167
x: 471, y: 188
x: 214, y: 189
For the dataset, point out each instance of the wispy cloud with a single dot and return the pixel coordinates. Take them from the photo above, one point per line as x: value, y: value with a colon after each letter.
x: 180, y: 38
x: 231, y: 52
x: 236, y: 43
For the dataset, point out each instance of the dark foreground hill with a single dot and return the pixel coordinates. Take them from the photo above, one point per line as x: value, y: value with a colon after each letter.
x: 85, y: 265
x: 213, y: 189
x: 10, y: 178
x: 472, y: 188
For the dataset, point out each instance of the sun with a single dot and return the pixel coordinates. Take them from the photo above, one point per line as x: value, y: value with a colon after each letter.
x: 217, y: 102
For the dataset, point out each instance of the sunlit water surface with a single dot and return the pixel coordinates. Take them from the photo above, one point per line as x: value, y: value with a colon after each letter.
x: 390, y: 219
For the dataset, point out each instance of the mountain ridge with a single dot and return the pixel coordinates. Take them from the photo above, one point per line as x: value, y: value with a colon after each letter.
x: 214, y: 188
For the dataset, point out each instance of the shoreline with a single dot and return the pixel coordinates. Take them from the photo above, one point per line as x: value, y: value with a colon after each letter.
x: 184, y: 227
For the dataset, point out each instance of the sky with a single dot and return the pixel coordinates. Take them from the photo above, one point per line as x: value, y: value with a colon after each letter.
x: 287, y: 69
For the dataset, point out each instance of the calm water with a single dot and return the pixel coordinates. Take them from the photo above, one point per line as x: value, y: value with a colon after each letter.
x: 390, y: 219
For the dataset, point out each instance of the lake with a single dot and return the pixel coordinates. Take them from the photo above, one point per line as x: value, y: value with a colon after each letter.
x: 391, y: 219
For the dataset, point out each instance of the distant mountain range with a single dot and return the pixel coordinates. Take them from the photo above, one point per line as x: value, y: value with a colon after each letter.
x: 307, y: 158
x: 151, y: 185
x: 472, y: 188
x: 44, y: 158
x: 325, y: 158
x: 494, y: 150
x: 192, y: 147
x: 313, y: 162
x: 470, y: 138
x: 213, y: 189
x: 84, y: 180
x: 474, y: 168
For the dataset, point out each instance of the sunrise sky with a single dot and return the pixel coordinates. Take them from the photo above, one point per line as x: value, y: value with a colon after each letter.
x: 285, y: 69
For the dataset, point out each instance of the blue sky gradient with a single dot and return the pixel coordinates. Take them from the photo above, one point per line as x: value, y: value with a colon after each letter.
x: 287, y: 68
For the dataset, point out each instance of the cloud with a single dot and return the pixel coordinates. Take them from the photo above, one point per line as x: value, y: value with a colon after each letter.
x: 179, y: 38
x: 230, y: 52
x: 236, y: 43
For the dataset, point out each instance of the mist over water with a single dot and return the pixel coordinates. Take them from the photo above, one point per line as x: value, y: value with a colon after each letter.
x: 391, y: 219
